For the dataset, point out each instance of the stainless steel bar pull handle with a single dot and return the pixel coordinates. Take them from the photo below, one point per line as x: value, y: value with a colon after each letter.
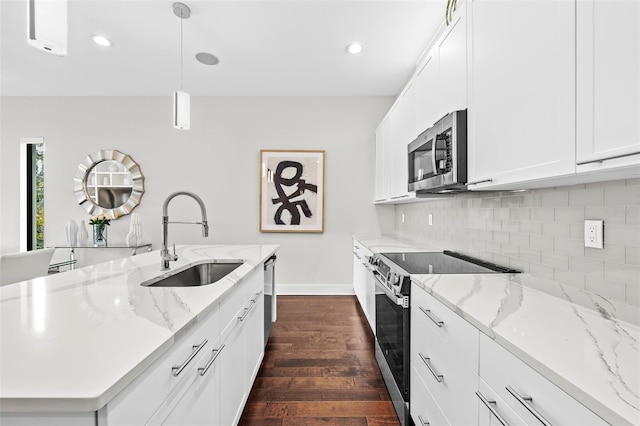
x: 427, y: 362
x: 428, y: 313
x: 196, y: 349
x: 216, y: 354
x: 526, y: 402
x: 479, y: 182
x: 601, y: 160
x: 423, y: 422
x: 492, y: 409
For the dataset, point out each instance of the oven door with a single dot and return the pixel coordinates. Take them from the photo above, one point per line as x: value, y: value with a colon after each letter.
x: 392, y: 335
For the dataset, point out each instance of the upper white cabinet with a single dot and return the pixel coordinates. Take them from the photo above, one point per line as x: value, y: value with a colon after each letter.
x: 451, y: 51
x: 522, y: 91
x: 441, y: 79
x: 381, y: 191
x: 608, y: 82
x: 426, y: 82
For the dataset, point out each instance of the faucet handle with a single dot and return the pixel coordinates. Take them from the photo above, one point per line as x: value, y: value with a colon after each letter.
x: 175, y: 256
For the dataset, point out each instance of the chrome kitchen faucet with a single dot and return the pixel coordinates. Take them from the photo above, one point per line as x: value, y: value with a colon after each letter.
x: 165, y: 256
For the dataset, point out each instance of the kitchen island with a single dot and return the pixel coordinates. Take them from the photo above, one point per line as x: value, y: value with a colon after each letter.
x: 72, y: 342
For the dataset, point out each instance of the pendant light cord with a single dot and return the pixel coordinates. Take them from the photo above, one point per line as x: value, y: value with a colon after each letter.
x: 181, y: 60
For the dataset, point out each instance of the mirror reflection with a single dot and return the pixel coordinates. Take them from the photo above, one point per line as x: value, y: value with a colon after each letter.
x: 109, y: 183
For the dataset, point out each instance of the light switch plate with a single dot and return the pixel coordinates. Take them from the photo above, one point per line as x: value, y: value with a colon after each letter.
x: 430, y: 219
x: 593, y: 233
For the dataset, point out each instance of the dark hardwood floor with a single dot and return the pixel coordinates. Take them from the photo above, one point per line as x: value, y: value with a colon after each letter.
x: 319, y: 368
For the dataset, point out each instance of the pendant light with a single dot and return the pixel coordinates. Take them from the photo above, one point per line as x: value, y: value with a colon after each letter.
x: 47, y: 22
x: 181, y: 99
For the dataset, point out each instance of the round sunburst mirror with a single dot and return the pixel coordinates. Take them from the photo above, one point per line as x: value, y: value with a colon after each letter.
x: 109, y: 183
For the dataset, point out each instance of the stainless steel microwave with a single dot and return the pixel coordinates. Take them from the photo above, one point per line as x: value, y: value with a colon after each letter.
x: 438, y: 157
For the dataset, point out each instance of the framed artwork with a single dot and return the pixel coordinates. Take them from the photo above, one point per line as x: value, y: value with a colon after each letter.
x: 291, y: 191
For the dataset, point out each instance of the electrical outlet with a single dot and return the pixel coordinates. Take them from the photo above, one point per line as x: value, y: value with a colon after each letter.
x: 430, y: 219
x: 593, y: 233
x: 402, y: 217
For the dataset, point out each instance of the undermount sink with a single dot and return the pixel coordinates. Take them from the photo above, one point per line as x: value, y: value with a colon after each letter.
x: 204, y: 273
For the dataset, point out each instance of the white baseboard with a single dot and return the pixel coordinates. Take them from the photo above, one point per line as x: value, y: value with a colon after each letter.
x: 314, y: 289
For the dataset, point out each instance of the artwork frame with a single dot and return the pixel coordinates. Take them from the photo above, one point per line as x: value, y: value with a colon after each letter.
x: 287, y: 207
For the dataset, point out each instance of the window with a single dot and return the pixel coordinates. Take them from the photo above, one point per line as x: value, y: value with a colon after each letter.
x: 32, y: 194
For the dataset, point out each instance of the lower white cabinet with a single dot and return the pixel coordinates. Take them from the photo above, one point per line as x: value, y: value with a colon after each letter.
x: 463, y: 377
x: 493, y: 410
x: 533, y: 397
x: 448, y: 378
x: 364, y: 284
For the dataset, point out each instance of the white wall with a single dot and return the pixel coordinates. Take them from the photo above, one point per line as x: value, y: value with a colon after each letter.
x: 217, y: 159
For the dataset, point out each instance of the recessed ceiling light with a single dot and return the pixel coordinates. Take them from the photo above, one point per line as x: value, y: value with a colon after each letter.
x: 207, y: 58
x: 354, y: 48
x: 101, y: 40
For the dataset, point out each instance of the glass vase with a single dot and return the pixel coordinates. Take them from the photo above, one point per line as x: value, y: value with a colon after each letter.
x: 100, y: 235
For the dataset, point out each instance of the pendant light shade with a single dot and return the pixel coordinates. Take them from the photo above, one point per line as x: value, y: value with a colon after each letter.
x: 47, y: 25
x: 181, y: 110
x: 181, y: 99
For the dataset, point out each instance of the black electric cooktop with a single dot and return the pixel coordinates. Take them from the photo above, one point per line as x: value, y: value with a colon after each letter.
x: 446, y: 262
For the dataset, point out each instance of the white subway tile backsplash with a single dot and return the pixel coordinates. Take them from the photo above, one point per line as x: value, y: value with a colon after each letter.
x: 622, y: 196
x: 632, y: 255
x: 543, y: 214
x: 520, y: 214
x: 632, y: 215
x: 541, y: 232
x: 511, y: 225
x: 555, y: 229
x: 554, y: 198
x: 622, y: 273
x: 622, y: 234
x: 586, y: 197
x: 540, y: 242
x: 608, y: 214
x: 569, y: 214
x: 569, y: 245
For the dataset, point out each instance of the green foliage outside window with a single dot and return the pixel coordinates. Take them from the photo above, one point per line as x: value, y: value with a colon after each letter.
x: 39, y: 194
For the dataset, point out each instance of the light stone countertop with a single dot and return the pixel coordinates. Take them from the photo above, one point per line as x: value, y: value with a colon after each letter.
x: 575, y: 339
x: 71, y: 341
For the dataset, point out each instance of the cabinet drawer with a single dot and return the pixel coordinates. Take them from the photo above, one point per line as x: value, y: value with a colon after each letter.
x: 138, y: 402
x: 449, y: 379
x: 454, y: 330
x: 499, y: 407
x: 424, y: 409
x: 241, y: 292
x: 501, y: 369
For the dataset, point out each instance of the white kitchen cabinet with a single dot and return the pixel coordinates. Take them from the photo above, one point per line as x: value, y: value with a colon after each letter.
x: 424, y: 409
x: 521, y: 116
x: 198, y: 403
x: 426, y: 81
x: 439, y: 356
x: 608, y: 84
x: 157, y: 391
x: 493, y: 410
x: 515, y: 382
x: 243, y: 352
x: 364, y: 284
x: 382, y: 171
x: 403, y: 133
x: 451, y: 51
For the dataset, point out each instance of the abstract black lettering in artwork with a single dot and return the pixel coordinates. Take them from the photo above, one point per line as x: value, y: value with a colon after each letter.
x: 286, y: 200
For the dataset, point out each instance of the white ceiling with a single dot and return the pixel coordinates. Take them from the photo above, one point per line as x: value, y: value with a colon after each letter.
x: 266, y: 48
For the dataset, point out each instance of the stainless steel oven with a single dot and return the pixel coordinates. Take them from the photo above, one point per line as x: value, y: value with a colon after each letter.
x: 393, y: 327
x: 438, y: 157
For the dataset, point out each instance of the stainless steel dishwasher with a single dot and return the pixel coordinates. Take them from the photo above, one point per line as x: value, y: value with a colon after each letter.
x: 269, y: 296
